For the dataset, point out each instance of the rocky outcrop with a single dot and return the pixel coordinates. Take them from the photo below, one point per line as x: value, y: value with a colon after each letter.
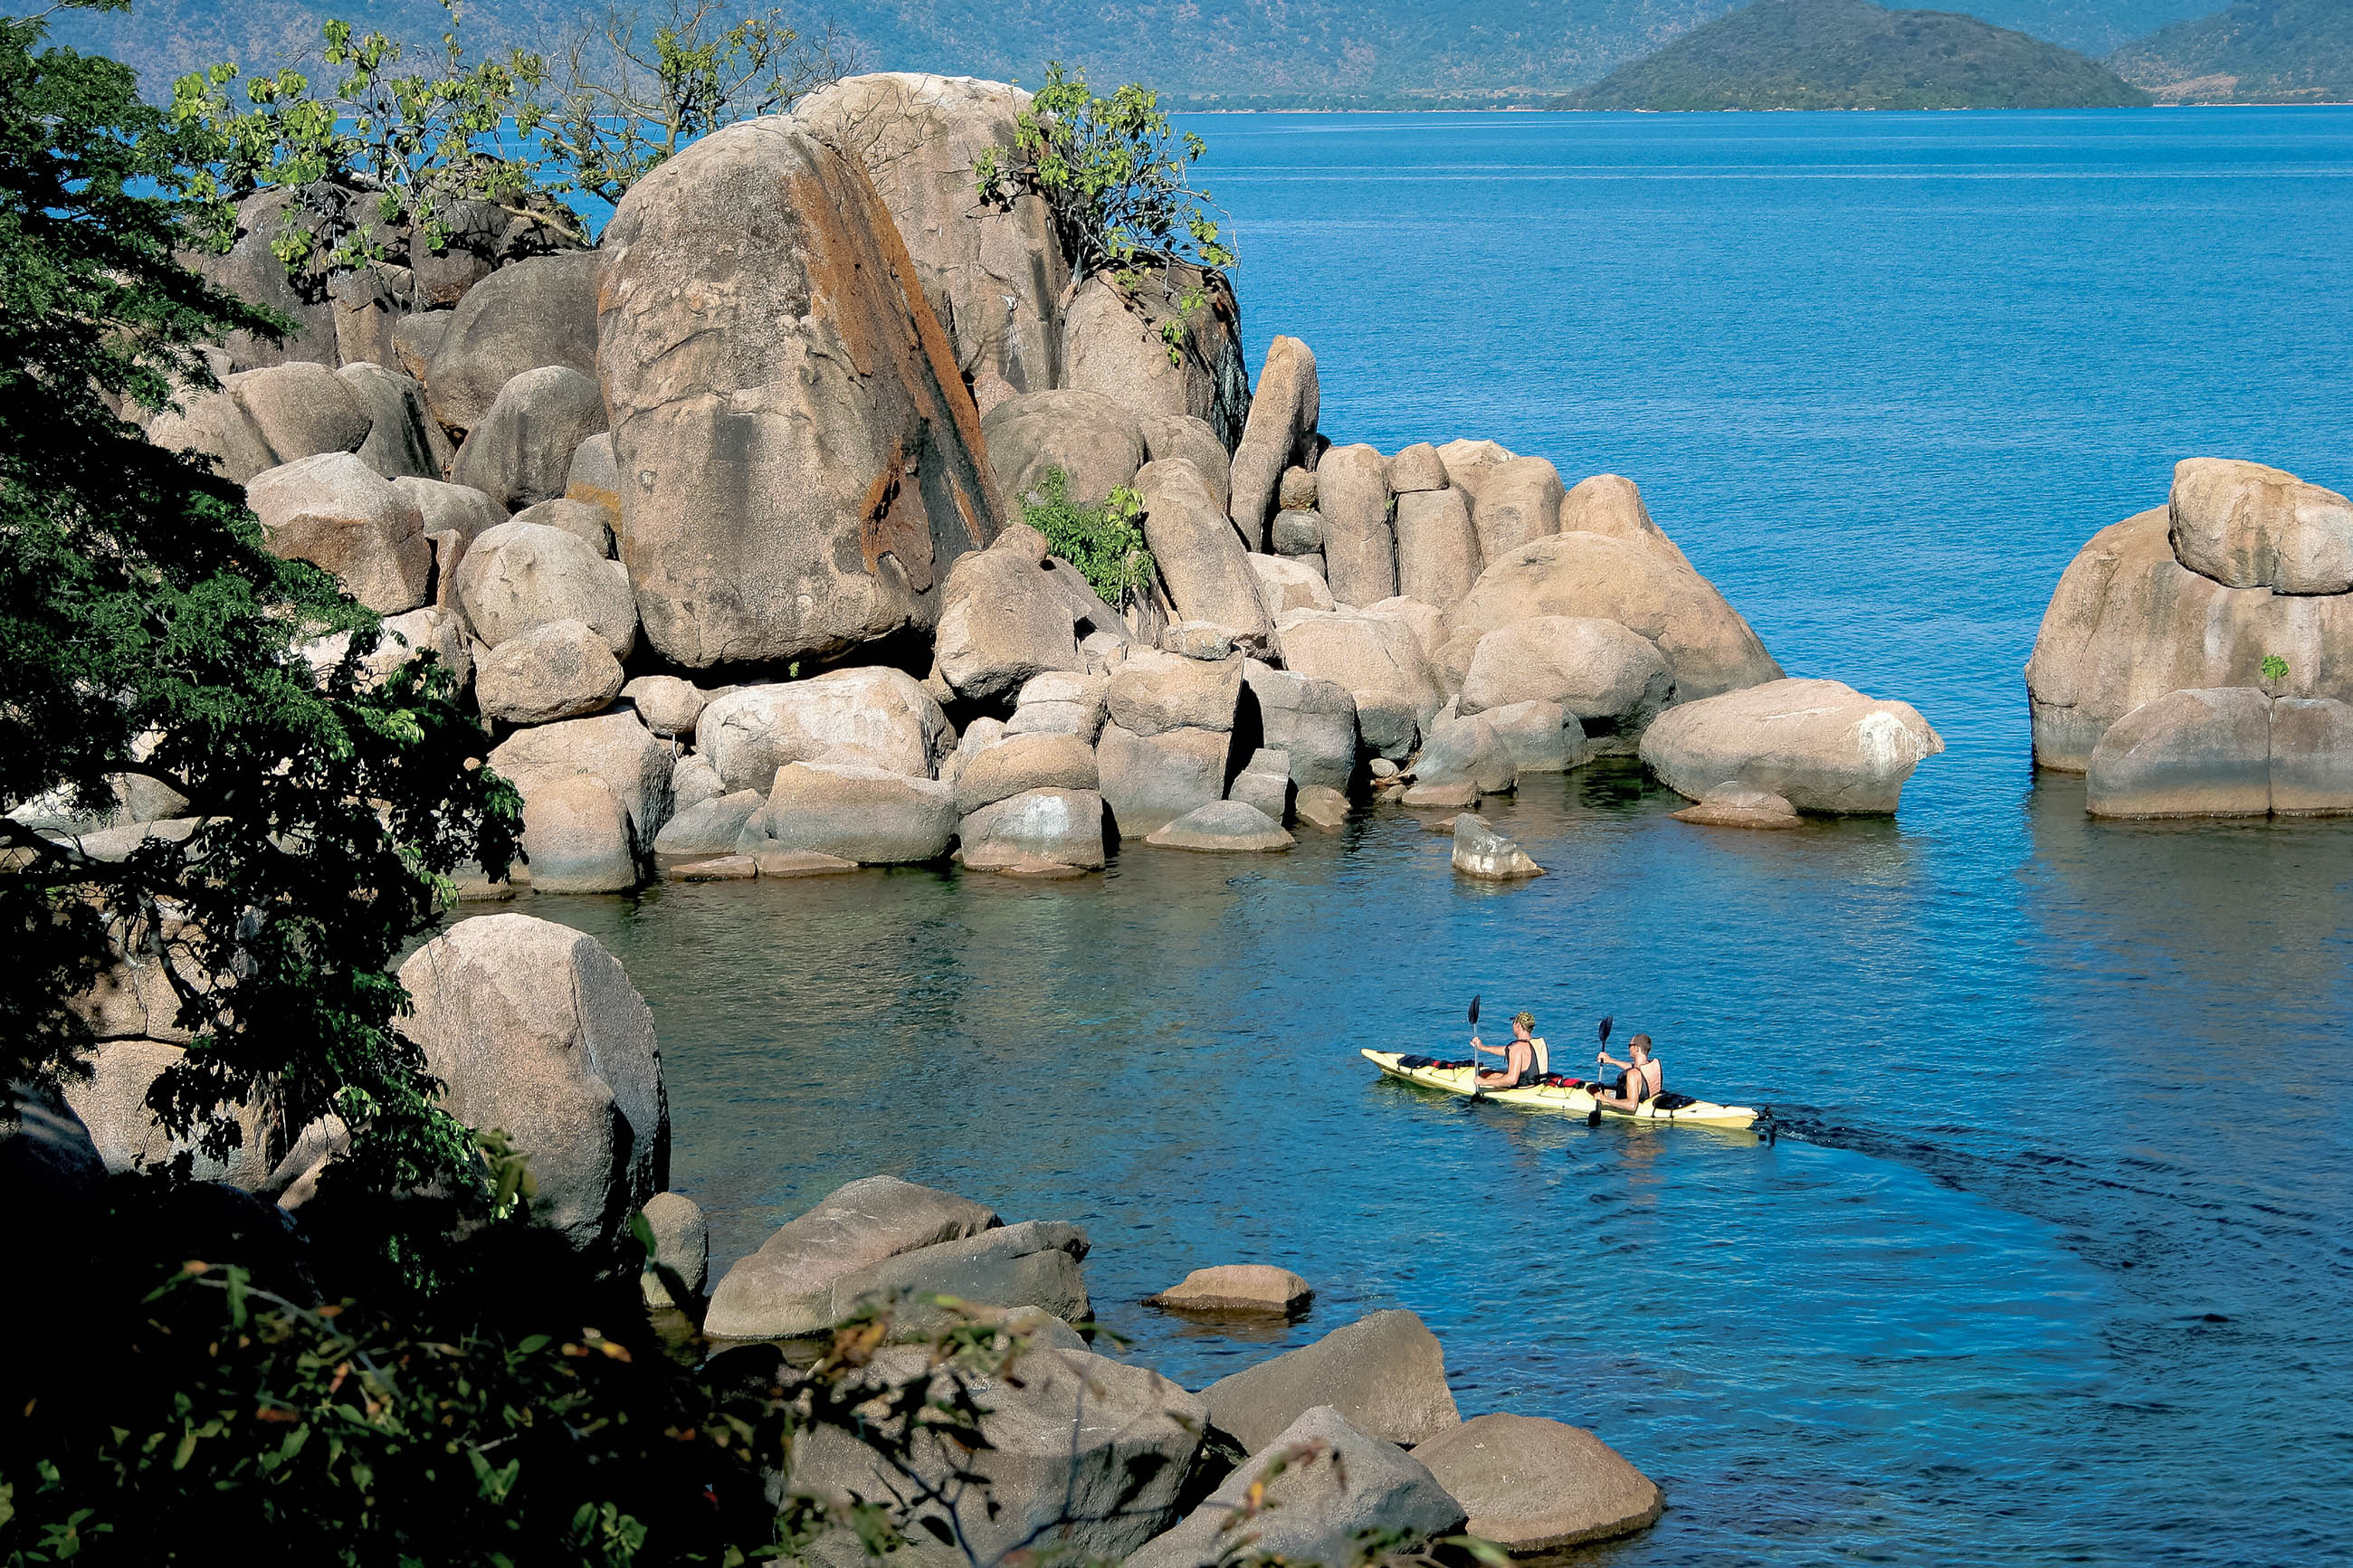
x: 786, y: 1287
x: 869, y: 815
x: 541, y: 312
x: 519, y: 452
x: 1039, y: 832
x: 1820, y: 745
x: 2131, y: 620
x: 1150, y: 781
x: 750, y: 733
x: 1201, y: 560
x: 1086, y: 1454
x: 1280, y: 432
x: 1111, y: 343
x: 1237, y: 1288
x: 534, y: 1030
x: 1533, y: 1487
x: 803, y: 460
x: 336, y: 512
x: 1385, y: 1374
x: 1020, y: 763
x: 1096, y: 441
x: 1308, y: 1495
x: 2225, y: 751
x: 1706, y: 644
x: 992, y: 271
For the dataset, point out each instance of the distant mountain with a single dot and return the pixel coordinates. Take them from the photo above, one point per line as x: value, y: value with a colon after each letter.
x: 2258, y: 51
x: 1225, y: 53
x: 1851, y: 54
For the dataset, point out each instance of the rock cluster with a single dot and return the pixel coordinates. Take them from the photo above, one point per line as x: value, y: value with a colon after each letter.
x: 688, y: 513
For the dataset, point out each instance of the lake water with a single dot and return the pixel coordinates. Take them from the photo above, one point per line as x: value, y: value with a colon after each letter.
x: 2058, y: 1266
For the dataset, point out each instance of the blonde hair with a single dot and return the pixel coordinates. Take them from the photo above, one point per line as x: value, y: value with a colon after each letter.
x: 1527, y: 1018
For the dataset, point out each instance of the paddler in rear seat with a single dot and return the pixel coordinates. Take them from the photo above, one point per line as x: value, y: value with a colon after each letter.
x: 1524, y: 1058
x: 1644, y: 1077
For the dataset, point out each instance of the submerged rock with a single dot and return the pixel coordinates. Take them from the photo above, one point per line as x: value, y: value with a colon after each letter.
x: 1738, y: 806
x: 1481, y: 851
x: 1223, y: 826
x: 1238, y: 1287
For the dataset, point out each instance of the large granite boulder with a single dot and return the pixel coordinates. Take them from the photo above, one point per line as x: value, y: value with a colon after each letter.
x: 1062, y: 704
x: 1096, y: 441
x: 213, y: 425
x: 667, y: 704
x: 1533, y: 1487
x: 803, y: 460
x: 458, y: 510
x: 2248, y: 526
x: 1590, y: 575
x: 402, y: 441
x: 1039, y: 831
x: 1080, y: 1454
x: 1280, y: 432
x: 1377, y: 661
x: 1200, y: 559
x: 1737, y: 806
x: 1352, y: 491
x: 748, y: 733
x: 674, y: 1276
x: 2225, y: 751
x: 1223, y: 828
x: 1150, y: 781
x: 520, y: 576
x: 1032, y: 1264
x: 335, y: 511
x: 711, y: 826
x: 112, y: 1104
x: 873, y: 816
x: 51, y: 1168
x: 613, y: 748
x: 1385, y: 1374
x: 578, y: 836
x: 560, y: 670
x: 1519, y: 501
x: 1481, y: 852
x: 1418, y: 467
x: 1614, y: 681
x: 1193, y: 439
x: 1309, y: 1494
x: 992, y: 271
x: 1152, y: 691
x: 1820, y: 745
x: 520, y: 452
x: 1005, y: 619
x: 1020, y: 763
x: 534, y: 1030
x: 539, y: 312
x: 2129, y: 621
x: 1238, y: 1290
x: 1438, y: 557
x: 1111, y: 343
x: 1285, y: 584
x: 302, y: 410
x: 785, y: 1288
x: 1311, y: 721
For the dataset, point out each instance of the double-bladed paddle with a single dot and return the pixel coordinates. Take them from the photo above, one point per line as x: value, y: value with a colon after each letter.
x: 1475, y: 1091
x: 1595, y: 1119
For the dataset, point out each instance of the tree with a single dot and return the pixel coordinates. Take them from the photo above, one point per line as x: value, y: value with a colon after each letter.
x: 144, y: 627
x: 635, y: 92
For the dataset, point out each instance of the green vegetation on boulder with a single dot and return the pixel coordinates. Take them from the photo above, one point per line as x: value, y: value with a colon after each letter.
x: 2257, y: 51
x: 1850, y: 54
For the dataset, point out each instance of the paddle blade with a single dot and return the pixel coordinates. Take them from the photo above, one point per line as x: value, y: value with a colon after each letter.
x: 1595, y: 1119
x: 1605, y: 1029
x: 1474, y: 1009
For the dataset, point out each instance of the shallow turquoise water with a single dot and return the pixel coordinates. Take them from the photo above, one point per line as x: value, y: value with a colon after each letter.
x: 2059, y: 1267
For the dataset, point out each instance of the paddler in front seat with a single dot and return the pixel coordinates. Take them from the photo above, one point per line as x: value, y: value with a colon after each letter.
x: 1644, y: 1077
x: 1524, y: 1058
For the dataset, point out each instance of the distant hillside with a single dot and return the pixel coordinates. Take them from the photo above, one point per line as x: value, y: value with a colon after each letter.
x: 1224, y: 53
x: 2258, y: 51
x: 1851, y: 54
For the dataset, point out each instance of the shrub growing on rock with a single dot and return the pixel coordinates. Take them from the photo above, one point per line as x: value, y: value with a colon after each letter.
x: 1104, y: 542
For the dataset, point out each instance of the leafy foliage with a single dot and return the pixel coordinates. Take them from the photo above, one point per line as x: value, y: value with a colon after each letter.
x: 1851, y: 54
x: 411, y: 143
x: 1115, y: 175
x: 2274, y: 668
x: 630, y: 99
x: 144, y: 626
x: 1104, y: 542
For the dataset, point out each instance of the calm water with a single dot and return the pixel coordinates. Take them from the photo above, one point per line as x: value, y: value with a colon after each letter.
x: 2060, y: 1266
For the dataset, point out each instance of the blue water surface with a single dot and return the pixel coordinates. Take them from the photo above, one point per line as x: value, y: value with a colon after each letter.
x: 2059, y: 1267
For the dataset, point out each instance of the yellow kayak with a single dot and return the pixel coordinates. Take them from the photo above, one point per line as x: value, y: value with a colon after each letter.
x: 1566, y: 1095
